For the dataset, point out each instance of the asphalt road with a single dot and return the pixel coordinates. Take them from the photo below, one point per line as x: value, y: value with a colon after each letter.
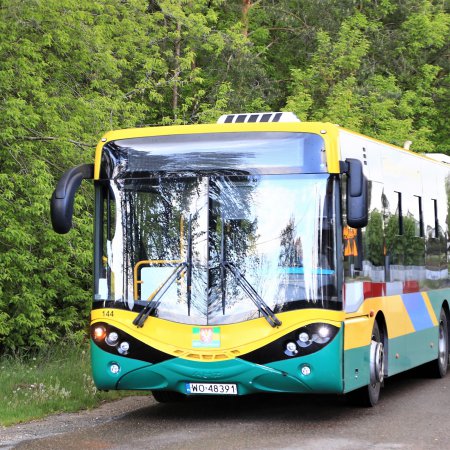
x: 413, y: 413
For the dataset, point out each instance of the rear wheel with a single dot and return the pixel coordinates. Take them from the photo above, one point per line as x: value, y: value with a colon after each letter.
x: 439, y: 367
x: 168, y: 396
x: 369, y: 395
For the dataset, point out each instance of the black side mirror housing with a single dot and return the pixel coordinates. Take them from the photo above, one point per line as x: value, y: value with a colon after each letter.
x: 61, y: 203
x: 357, y: 197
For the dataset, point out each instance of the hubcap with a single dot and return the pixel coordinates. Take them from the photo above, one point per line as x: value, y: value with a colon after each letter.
x: 376, y: 362
x: 442, y: 344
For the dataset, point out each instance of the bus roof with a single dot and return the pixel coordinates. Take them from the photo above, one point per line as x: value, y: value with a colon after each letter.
x: 329, y: 132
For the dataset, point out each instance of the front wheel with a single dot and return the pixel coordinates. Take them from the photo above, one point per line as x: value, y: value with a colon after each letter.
x: 369, y: 395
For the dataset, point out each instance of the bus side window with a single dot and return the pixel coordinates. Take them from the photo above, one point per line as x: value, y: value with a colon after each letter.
x: 352, y: 241
x: 399, y: 213
x: 419, y: 217
x: 435, y: 247
x: 105, y: 280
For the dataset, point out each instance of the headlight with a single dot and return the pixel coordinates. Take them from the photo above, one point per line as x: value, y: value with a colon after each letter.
x: 303, y: 339
x: 123, y: 348
x: 299, y: 342
x: 112, y: 338
x: 323, y: 335
x: 311, y: 338
x: 291, y: 348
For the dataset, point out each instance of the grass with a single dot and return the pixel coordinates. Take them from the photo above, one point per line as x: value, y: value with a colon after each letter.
x: 58, y: 380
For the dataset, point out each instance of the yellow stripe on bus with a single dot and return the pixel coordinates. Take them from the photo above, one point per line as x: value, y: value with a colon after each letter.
x: 430, y: 309
x: 359, y: 325
x: 328, y: 131
x: 235, y: 339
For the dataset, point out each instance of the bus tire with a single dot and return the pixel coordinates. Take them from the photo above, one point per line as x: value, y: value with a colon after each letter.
x: 439, y: 367
x: 369, y: 395
x: 168, y: 396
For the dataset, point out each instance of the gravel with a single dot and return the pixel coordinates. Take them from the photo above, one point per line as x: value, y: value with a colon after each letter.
x: 67, y: 422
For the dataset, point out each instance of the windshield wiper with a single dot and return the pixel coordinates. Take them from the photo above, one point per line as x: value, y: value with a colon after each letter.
x: 223, y: 270
x: 262, y: 306
x: 155, y: 299
x: 188, y: 265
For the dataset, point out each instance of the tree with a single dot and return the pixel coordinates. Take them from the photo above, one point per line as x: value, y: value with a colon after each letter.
x: 59, y: 93
x: 380, y: 75
x: 72, y: 70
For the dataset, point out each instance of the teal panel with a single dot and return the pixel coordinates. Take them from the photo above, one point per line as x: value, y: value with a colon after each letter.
x: 403, y: 353
x: 101, y: 362
x: 356, y: 368
x: 437, y: 297
x: 412, y: 350
x: 249, y: 377
x: 326, y: 374
x: 318, y: 372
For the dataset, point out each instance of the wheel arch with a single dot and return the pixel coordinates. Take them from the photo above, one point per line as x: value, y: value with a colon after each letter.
x: 446, y: 308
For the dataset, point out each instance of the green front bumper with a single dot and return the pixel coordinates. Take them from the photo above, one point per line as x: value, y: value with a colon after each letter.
x: 319, y: 372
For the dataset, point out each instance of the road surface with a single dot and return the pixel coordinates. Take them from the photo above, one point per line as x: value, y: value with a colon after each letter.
x: 413, y: 413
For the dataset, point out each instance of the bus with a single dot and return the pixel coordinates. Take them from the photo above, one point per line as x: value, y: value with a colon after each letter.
x: 262, y: 254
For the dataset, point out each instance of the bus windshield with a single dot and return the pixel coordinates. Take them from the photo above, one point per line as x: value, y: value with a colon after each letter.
x: 217, y: 247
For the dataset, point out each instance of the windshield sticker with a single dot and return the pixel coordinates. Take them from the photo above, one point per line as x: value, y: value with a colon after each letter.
x: 206, y: 337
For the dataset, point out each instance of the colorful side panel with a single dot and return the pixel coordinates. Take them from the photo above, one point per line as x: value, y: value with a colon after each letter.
x: 409, y: 320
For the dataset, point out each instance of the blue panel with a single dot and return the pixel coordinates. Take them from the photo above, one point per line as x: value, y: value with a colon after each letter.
x: 417, y: 310
x: 300, y: 271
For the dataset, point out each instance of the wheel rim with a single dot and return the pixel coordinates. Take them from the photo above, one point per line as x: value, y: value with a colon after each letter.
x: 376, y: 362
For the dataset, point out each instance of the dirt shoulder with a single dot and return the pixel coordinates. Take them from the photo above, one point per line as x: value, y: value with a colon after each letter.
x: 67, y: 422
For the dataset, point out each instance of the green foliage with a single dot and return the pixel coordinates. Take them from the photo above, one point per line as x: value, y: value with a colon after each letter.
x: 72, y: 70
x: 58, y: 96
x: 385, y: 75
x: 55, y: 380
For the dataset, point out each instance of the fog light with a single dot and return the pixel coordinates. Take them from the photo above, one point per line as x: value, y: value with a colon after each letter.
x: 114, y: 368
x: 306, y: 370
x: 123, y: 348
x: 112, y: 338
x: 99, y: 333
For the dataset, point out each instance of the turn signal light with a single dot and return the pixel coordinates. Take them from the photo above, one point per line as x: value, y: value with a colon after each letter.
x: 99, y: 333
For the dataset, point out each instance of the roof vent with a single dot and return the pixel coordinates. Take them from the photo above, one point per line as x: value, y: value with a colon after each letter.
x: 259, y: 117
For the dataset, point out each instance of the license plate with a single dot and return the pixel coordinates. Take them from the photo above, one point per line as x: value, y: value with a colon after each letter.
x: 211, y: 388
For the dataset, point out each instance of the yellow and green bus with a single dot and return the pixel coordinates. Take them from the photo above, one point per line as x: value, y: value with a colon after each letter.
x: 263, y: 254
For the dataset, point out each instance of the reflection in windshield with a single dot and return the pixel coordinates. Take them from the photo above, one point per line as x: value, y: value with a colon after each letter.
x: 249, y: 245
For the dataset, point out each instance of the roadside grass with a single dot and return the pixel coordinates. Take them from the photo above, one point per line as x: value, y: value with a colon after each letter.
x: 57, y: 380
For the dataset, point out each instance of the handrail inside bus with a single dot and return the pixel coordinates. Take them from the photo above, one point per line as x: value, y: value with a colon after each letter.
x: 149, y: 262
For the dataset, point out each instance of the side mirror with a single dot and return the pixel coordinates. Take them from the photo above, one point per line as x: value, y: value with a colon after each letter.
x: 357, y: 201
x: 61, y: 203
